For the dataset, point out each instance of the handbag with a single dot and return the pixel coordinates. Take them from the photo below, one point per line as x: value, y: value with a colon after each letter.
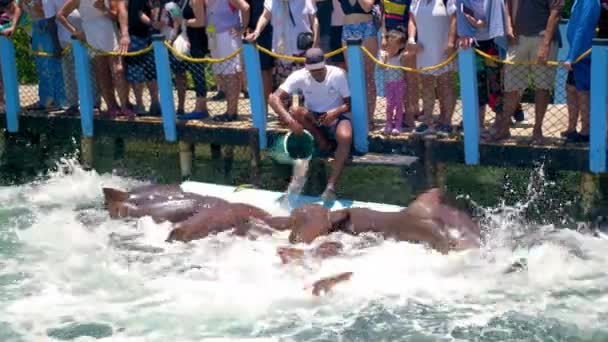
x: 305, y: 41
x: 181, y: 43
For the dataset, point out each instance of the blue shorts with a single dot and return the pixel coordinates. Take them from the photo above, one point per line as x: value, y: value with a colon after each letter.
x: 330, y: 131
x: 582, y: 74
x: 361, y: 31
x: 140, y: 68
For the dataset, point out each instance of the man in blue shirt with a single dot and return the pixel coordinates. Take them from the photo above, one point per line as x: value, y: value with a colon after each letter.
x: 584, y: 17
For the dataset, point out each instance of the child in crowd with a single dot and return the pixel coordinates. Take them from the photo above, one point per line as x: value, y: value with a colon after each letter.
x: 394, y: 81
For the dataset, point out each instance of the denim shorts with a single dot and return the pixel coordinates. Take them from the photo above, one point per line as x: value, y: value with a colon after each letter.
x: 330, y: 131
x: 140, y: 68
x: 361, y: 31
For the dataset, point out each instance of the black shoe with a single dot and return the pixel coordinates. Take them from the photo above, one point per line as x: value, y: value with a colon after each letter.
x: 225, y: 117
x: 519, y: 115
x: 575, y: 137
x: 219, y: 96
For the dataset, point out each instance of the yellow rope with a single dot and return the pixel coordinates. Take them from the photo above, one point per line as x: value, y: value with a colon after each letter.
x: 552, y: 63
x: 294, y: 58
x: 114, y: 53
x: 432, y: 67
x: 46, y: 54
x: 200, y: 60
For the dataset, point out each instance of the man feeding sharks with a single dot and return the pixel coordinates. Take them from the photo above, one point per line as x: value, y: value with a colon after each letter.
x: 326, y: 111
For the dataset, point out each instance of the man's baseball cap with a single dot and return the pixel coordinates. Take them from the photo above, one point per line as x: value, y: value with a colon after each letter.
x: 315, y: 59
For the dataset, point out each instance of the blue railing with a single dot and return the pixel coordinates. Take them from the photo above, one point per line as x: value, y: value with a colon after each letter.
x: 468, y: 91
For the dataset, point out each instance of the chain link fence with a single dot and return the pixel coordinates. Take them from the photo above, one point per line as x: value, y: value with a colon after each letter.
x: 418, y: 101
x: 526, y: 101
x: 216, y: 86
x: 521, y: 99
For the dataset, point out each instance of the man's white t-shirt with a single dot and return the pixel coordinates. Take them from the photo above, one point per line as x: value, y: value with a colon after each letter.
x: 286, y: 27
x: 319, y: 97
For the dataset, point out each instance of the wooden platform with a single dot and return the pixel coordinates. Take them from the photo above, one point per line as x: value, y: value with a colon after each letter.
x: 388, y: 150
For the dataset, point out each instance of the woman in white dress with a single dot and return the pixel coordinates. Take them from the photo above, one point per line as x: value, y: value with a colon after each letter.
x: 100, y: 31
x: 433, y: 22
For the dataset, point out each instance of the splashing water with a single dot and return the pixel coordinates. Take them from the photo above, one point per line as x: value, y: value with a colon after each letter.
x: 297, y: 182
x: 69, y: 272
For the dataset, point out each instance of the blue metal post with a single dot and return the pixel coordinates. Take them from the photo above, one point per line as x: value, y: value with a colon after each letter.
x: 559, y: 89
x: 85, y: 86
x: 255, y: 86
x: 8, y: 63
x: 470, y: 104
x: 598, y: 110
x: 165, y: 87
x: 358, y: 93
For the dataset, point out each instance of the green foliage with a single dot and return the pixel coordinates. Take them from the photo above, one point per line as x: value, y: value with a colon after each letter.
x: 26, y: 68
x: 567, y: 8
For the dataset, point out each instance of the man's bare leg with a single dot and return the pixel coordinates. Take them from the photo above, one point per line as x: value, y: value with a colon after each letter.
x: 573, y: 109
x: 542, y: 102
x: 502, y: 122
x: 583, y: 100
x: 344, y: 138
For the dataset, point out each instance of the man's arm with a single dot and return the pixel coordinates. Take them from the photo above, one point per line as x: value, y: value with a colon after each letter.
x: 333, y: 114
x: 583, y: 32
x: 510, y: 32
x: 552, y: 22
x: 275, y: 100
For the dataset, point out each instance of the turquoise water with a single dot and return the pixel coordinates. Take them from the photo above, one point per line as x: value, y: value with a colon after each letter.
x: 68, y: 272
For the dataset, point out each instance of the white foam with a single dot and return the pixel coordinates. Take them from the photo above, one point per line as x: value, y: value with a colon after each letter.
x: 224, y: 287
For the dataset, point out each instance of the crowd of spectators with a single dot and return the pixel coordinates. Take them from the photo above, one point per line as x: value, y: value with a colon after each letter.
x: 409, y: 33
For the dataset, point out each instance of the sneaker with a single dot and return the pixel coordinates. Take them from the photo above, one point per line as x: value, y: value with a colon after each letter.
x: 388, y: 128
x: 519, y: 115
x: 423, y: 129
x: 219, y: 96
x: 396, y: 131
x: 576, y: 137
